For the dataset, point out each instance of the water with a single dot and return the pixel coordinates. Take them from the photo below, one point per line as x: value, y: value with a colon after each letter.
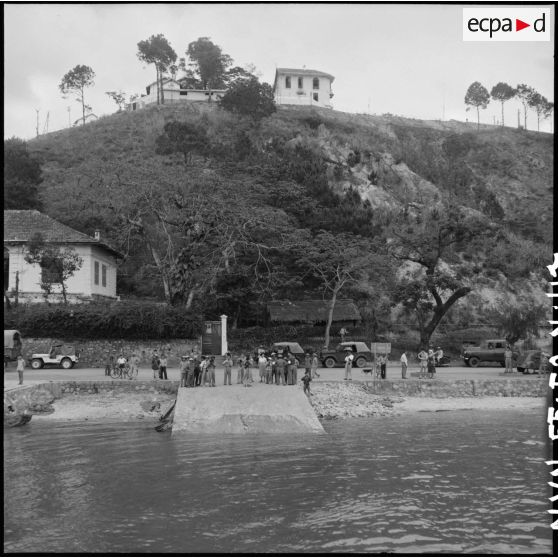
x: 431, y: 482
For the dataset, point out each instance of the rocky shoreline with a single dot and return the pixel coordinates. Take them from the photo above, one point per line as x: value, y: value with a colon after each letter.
x: 330, y: 400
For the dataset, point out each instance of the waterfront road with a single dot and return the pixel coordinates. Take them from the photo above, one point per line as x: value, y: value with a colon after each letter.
x: 326, y: 374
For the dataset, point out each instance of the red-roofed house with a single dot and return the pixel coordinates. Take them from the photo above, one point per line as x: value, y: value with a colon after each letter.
x: 96, y: 279
x: 302, y: 87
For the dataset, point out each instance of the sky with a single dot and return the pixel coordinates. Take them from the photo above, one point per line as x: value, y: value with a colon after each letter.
x: 408, y: 60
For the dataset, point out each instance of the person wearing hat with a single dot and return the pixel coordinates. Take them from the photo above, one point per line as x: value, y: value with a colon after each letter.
x: 227, y: 364
x: 314, y: 366
x: 349, y: 363
x: 183, y: 367
x: 190, y: 372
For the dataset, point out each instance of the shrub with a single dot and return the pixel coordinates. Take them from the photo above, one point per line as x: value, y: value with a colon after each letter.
x: 123, y: 320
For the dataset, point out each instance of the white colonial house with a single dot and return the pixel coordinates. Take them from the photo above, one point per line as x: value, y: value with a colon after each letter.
x: 96, y: 278
x: 173, y: 92
x: 302, y: 87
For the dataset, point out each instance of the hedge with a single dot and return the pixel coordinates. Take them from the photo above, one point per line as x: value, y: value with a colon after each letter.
x: 123, y: 320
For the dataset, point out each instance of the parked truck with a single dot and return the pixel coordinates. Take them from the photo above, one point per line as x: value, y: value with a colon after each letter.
x: 491, y: 350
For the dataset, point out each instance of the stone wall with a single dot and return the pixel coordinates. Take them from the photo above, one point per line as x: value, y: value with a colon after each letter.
x: 505, y: 387
x: 93, y: 353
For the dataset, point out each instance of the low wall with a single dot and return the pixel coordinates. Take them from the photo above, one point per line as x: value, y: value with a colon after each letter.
x: 505, y: 387
x: 93, y: 353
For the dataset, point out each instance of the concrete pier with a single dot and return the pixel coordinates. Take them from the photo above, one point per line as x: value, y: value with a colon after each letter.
x: 239, y: 410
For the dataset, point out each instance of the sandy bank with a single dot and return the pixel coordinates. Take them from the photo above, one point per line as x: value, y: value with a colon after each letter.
x: 116, y: 407
x: 429, y: 404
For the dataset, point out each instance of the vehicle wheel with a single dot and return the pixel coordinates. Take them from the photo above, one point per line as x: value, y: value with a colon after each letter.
x: 521, y: 369
x: 37, y: 363
x: 66, y: 363
x: 132, y: 373
x: 329, y: 362
x: 115, y: 373
x: 360, y: 362
x: 473, y: 362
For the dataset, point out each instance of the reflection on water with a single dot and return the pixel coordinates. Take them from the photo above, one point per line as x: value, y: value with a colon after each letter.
x: 457, y: 483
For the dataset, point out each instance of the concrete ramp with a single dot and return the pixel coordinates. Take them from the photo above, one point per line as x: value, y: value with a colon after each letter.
x: 235, y: 409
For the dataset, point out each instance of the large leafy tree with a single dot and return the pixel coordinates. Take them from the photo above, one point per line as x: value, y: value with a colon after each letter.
x: 250, y: 98
x: 75, y: 82
x: 208, y: 63
x: 430, y: 241
x: 477, y: 96
x: 337, y: 262
x: 520, y: 319
x: 157, y: 51
x: 524, y: 93
x: 22, y: 176
x: 502, y: 92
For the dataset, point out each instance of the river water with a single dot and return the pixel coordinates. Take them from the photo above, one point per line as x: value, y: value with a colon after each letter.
x: 450, y: 482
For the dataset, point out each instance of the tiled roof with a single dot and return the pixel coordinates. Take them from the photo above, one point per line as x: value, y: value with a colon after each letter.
x: 21, y: 224
x: 303, y: 72
x: 311, y: 311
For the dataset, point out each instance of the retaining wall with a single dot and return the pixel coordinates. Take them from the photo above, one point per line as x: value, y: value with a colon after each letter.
x: 504, y: 387
x: 93, y: 353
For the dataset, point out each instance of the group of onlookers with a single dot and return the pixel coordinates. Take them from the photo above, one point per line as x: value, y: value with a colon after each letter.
x: 276, y: 369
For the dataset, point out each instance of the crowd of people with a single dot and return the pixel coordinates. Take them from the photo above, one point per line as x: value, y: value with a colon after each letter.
x: 276, y: 369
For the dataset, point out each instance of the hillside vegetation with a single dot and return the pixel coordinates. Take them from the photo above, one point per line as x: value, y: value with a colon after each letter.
x: 220, y: 213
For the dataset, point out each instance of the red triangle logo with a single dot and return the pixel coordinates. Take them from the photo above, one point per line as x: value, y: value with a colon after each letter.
x: 519, y: 25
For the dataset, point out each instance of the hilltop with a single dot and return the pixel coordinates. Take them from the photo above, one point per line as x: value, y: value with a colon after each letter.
x: 504, y: 172
x: 311, y: 168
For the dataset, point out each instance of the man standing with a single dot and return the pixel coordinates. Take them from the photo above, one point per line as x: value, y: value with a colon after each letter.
x: 155, y: 363
x: 307, y: 363
x: 423, y: 358
x: 163, y: 367
x: 349, y: 364
x: 280, y: 366
x: 403, y: 366
x: 343, y: 333
x: 20, y: 368
x: 508, y: 354
x: 227, y: 364
x: 314, y: 366
x: 183, y: 367
x: 383, y: 366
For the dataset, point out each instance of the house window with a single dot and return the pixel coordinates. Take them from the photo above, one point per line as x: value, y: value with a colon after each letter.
x: 50, y: 274
x: 288, y: 82
x: 184, y: 92
x: 104, y: 275
x: 315, y: 96
x: 300, y: 83
x: 316, y: 83
x: 96, y: 278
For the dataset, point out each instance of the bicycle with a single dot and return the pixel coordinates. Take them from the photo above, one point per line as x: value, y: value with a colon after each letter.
x: 122, y: 373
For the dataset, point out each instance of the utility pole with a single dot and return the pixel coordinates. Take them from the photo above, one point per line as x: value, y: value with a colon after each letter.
x: 518, y: 118
x: 37, y: 127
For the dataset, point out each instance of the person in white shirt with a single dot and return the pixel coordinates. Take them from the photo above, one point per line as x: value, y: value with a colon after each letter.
x: 404, y: 363
x: 349, y: 364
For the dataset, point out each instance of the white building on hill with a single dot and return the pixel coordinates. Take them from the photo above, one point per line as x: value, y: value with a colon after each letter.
x: 174, y: 93
x: 96, y: 279
x: 302, y: 87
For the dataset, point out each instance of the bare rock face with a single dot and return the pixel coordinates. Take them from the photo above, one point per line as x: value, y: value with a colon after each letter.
x: 20, y: 405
